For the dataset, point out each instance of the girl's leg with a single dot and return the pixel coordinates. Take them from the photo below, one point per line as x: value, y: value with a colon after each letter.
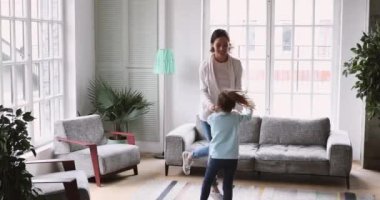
x: 211, y: 170
x: 206, y: 130
x: 203, y: 151
x: 229, y: 173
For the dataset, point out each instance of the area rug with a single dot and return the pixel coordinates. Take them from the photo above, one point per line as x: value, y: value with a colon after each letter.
x: 179, y: 190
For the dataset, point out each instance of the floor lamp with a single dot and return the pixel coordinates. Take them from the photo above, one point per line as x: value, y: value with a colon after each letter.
x: 164, y: 66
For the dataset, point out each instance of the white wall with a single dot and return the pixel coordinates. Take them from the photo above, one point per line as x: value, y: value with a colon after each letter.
x: 184, y: 37
x: 85, y: 52
x: 351, y: 110
x: 80, y: 55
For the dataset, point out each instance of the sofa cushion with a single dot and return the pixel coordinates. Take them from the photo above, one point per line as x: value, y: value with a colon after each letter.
x: 249, y: 131
x: 199, y: 129
x: 294, y: 131
x: 291, y: 152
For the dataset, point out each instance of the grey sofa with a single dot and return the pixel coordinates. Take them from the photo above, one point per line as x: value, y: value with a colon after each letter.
x: 277, y: 145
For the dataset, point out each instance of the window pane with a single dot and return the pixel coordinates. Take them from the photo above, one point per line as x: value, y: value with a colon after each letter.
x: 45, y: 9
x: 56, y: 77
x: 238, y: 40
x: 34, y: 8
x: 302, y: 77
x: 256, y: 76
x: 20, y: 10
x: 7, y: 85
x: 56, y: 9
x: 303, y: 42
x: 283, y: 12
x: 55, y: 40
x: 20, y: 83
x: 218, y: 12
x: 36, y: 122
x: 322, y: 77
x: 36, y: 80
x: 20, y: 41
x: 301, y: 106
x: 281, y: 105
x: 324, y: 12
x: 323, y: 43
x: 283, y: 43
x: 35, y: 40
x: 6, y: 40
x: 321, y: 106
x: 44, y: 40
x: 257, y: 12
x: 303, y: 12
x: 282, y: 76
x: 45, y: 71
x: 238, y: 12
x: 5, y: 8
x: 259, y: 100
x: 257, y: 42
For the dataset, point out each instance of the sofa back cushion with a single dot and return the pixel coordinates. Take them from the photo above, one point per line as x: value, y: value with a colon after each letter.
x: 249, y: 131
x: 288, y: 131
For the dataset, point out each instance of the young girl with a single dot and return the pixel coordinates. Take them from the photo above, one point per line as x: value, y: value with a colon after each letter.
x: 224, y: 146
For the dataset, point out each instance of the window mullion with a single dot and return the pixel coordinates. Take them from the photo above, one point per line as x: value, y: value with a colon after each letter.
x: 312, y: 60
x: 247, y: 68
x: 1, y: 61
x: 292, y: 91
x: 29, y: 69
x: 13, y: 55
x: 269, y: 57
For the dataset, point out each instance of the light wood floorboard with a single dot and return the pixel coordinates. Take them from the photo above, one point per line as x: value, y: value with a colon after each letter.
x: 123, y: 185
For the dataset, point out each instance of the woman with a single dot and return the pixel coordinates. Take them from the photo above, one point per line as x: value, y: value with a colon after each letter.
x: 219, y: 72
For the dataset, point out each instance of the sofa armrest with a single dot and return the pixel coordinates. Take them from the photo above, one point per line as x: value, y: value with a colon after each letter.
x: 339, y: 153
x: 178, y: 140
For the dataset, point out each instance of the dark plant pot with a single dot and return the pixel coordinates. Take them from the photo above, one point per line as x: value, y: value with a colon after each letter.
x: 371, y: 148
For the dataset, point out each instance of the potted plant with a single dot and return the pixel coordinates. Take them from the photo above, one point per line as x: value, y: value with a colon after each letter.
x: 118, y: 106
x: 365, y: 66
x: 15, y: 180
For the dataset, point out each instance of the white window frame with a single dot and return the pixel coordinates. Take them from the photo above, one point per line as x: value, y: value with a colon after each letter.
x: 28, y: 62
x: 270, y: 50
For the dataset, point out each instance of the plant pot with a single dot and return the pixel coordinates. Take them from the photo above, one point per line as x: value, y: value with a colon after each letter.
x: 113, y: 140
x: 371, y: 148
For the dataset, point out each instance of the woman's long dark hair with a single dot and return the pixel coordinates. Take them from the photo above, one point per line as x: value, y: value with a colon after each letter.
x: 228, y: 99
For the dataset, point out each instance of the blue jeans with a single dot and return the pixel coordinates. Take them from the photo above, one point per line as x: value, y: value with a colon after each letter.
x: 214, y: 165
x: 203, y: 151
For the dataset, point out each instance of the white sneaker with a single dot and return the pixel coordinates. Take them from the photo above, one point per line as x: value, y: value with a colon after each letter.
x: 187, y: 162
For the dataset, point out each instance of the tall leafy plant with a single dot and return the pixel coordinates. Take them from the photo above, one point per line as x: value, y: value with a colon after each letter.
x: 119, y: 106
x: 15, y: 180
x: 365, y: 66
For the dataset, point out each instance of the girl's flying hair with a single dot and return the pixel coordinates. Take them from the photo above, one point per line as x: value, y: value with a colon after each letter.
x: 228, y: 99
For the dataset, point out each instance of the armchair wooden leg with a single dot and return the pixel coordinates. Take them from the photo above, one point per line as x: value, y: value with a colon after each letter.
x: 348, y: 182
x: 95, y: 164
x: 166, y: 169
x: 135, y: 170
x: 71, y: 190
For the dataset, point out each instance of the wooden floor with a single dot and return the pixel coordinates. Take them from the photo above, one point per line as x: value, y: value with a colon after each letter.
x: 123, y: 185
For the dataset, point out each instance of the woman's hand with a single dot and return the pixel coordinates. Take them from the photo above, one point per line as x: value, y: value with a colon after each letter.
x: 213, y: 107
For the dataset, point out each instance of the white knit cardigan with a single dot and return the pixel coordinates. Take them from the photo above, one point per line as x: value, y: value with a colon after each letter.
x: 209, y: 85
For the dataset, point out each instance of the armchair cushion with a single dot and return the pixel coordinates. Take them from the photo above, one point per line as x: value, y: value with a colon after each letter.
x: 90, y: 129
x: 55, y: 191
x: 112, y: 157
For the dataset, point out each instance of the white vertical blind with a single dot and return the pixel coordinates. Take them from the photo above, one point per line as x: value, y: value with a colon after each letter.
x: 126, y: 43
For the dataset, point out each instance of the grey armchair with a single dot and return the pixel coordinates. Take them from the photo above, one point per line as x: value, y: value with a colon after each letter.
x: 70, y: 184
x: 82, y: 139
